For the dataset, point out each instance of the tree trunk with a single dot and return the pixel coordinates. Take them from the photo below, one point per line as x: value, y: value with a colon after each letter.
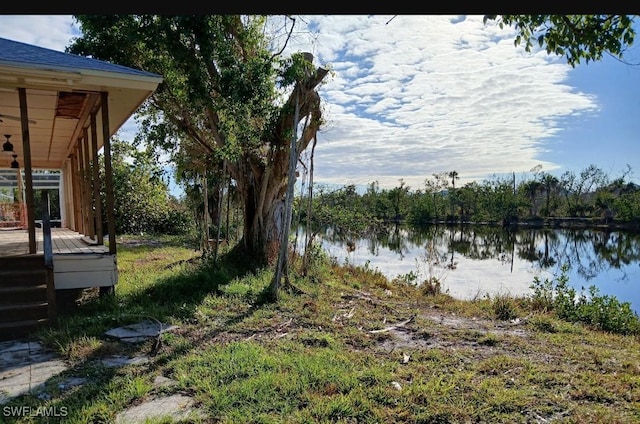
x: 282, y: 266
x: 261, y: 231
x: 263, y: 184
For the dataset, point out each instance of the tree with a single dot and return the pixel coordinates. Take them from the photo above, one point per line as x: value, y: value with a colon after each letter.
x: 436, y: 186
x: 200, y: 182
x: 453, y: 196
x: 397, y: 197
x: 454, y: 176
x: 468, y: 200
x: 225, y: 95
x: 550, y: 186
x: 531, y: 189
x: 576, y: 37
x: 143, y: 203
x: 579, y: 188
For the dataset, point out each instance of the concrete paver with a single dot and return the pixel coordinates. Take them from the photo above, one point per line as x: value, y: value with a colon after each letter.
x: 24, y: 368
x: 175, y: 406
x: 120, y: 361
x: 139, y: 332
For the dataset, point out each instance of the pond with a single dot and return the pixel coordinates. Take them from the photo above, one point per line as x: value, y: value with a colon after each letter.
x: 474, y: 261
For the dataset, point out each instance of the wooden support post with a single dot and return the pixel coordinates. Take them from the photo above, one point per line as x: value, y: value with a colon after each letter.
x: 205, y: 185
x: 88, y: 196
x: 23, y: 210
x: 67, y: 219
x: 83, y: 188
x: 97, y: 197
x: 26, y: 149
x: 108, y: 174
x: 75, y: 191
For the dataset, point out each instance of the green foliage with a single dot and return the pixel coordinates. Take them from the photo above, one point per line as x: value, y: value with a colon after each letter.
x: 627, y: 205
x: 176, y: 221
x: 409, y: 278
x: 342, y: 209
x: 604, y: 312
x: 431, y: 286
x: 295, y: 69
x: 576, y: 37
x: 142, y: 200
x: 200, y: 60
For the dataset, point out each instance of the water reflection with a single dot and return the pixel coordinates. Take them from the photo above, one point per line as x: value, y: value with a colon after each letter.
x: 477, y: 260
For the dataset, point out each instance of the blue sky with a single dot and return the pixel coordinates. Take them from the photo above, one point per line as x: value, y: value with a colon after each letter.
x: 417, y: 95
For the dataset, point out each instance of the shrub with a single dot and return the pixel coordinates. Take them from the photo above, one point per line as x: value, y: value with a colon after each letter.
x: 177, y: 221
x: 604, y: 312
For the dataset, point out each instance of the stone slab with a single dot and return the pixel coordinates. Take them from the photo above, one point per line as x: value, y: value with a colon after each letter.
x: 139, y: 332
x: 176, y: 406
x: 120, y: 361
x: 25, y: 367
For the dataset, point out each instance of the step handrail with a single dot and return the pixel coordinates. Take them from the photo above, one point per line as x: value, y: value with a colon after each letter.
x: 47, y: 244
x: 46, y: 231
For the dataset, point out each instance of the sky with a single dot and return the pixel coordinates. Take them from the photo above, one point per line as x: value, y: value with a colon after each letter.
x: 410, y: 96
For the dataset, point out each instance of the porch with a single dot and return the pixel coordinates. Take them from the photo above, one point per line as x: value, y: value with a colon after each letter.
x: 15, y: 241
x: 78, y: 261
x: 57, y: 112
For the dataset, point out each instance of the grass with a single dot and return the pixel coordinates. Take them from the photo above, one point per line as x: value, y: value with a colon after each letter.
x: 353, y: 347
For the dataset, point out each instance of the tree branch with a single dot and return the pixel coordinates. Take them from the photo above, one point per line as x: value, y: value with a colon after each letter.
x: 285, y: 41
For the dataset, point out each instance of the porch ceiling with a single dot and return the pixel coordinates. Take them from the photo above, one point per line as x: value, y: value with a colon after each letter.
x: 62, y: 91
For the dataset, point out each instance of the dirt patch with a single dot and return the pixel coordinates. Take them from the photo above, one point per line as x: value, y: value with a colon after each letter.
x: 450, y: 331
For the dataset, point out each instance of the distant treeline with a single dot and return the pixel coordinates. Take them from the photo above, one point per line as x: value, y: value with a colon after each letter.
x: 589, y: 197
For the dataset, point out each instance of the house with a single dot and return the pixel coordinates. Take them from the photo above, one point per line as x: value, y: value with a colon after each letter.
x: 58, y: 111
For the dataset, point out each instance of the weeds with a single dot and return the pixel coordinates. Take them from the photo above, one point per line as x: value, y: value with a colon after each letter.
x: 431, y: 287
x: 429, y: 273
x: 504, y: 307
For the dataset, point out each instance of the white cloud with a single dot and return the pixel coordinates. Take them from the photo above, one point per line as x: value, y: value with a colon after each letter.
x: 49, y: 31
x: 429, y: 94
x: 411, y: 96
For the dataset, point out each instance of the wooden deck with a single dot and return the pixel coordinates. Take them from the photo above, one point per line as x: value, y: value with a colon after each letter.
x: 16, y: 242
x: 78, y: 262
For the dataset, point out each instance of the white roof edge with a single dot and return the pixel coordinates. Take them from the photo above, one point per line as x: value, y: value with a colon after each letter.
x: 103, y: 74
x: 81, y: 71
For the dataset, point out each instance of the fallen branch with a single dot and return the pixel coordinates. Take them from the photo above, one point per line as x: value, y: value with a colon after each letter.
x: 284, y: 325
x: 393, y: 327
x: 279, y: 336
x: 344, y: 315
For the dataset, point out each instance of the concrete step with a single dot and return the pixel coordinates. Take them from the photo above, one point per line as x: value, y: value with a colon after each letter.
x: 24, y: 305
x: 21, y: 294
x: 22, y: 277
x: 20, y: 329
x: 24, y: 311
